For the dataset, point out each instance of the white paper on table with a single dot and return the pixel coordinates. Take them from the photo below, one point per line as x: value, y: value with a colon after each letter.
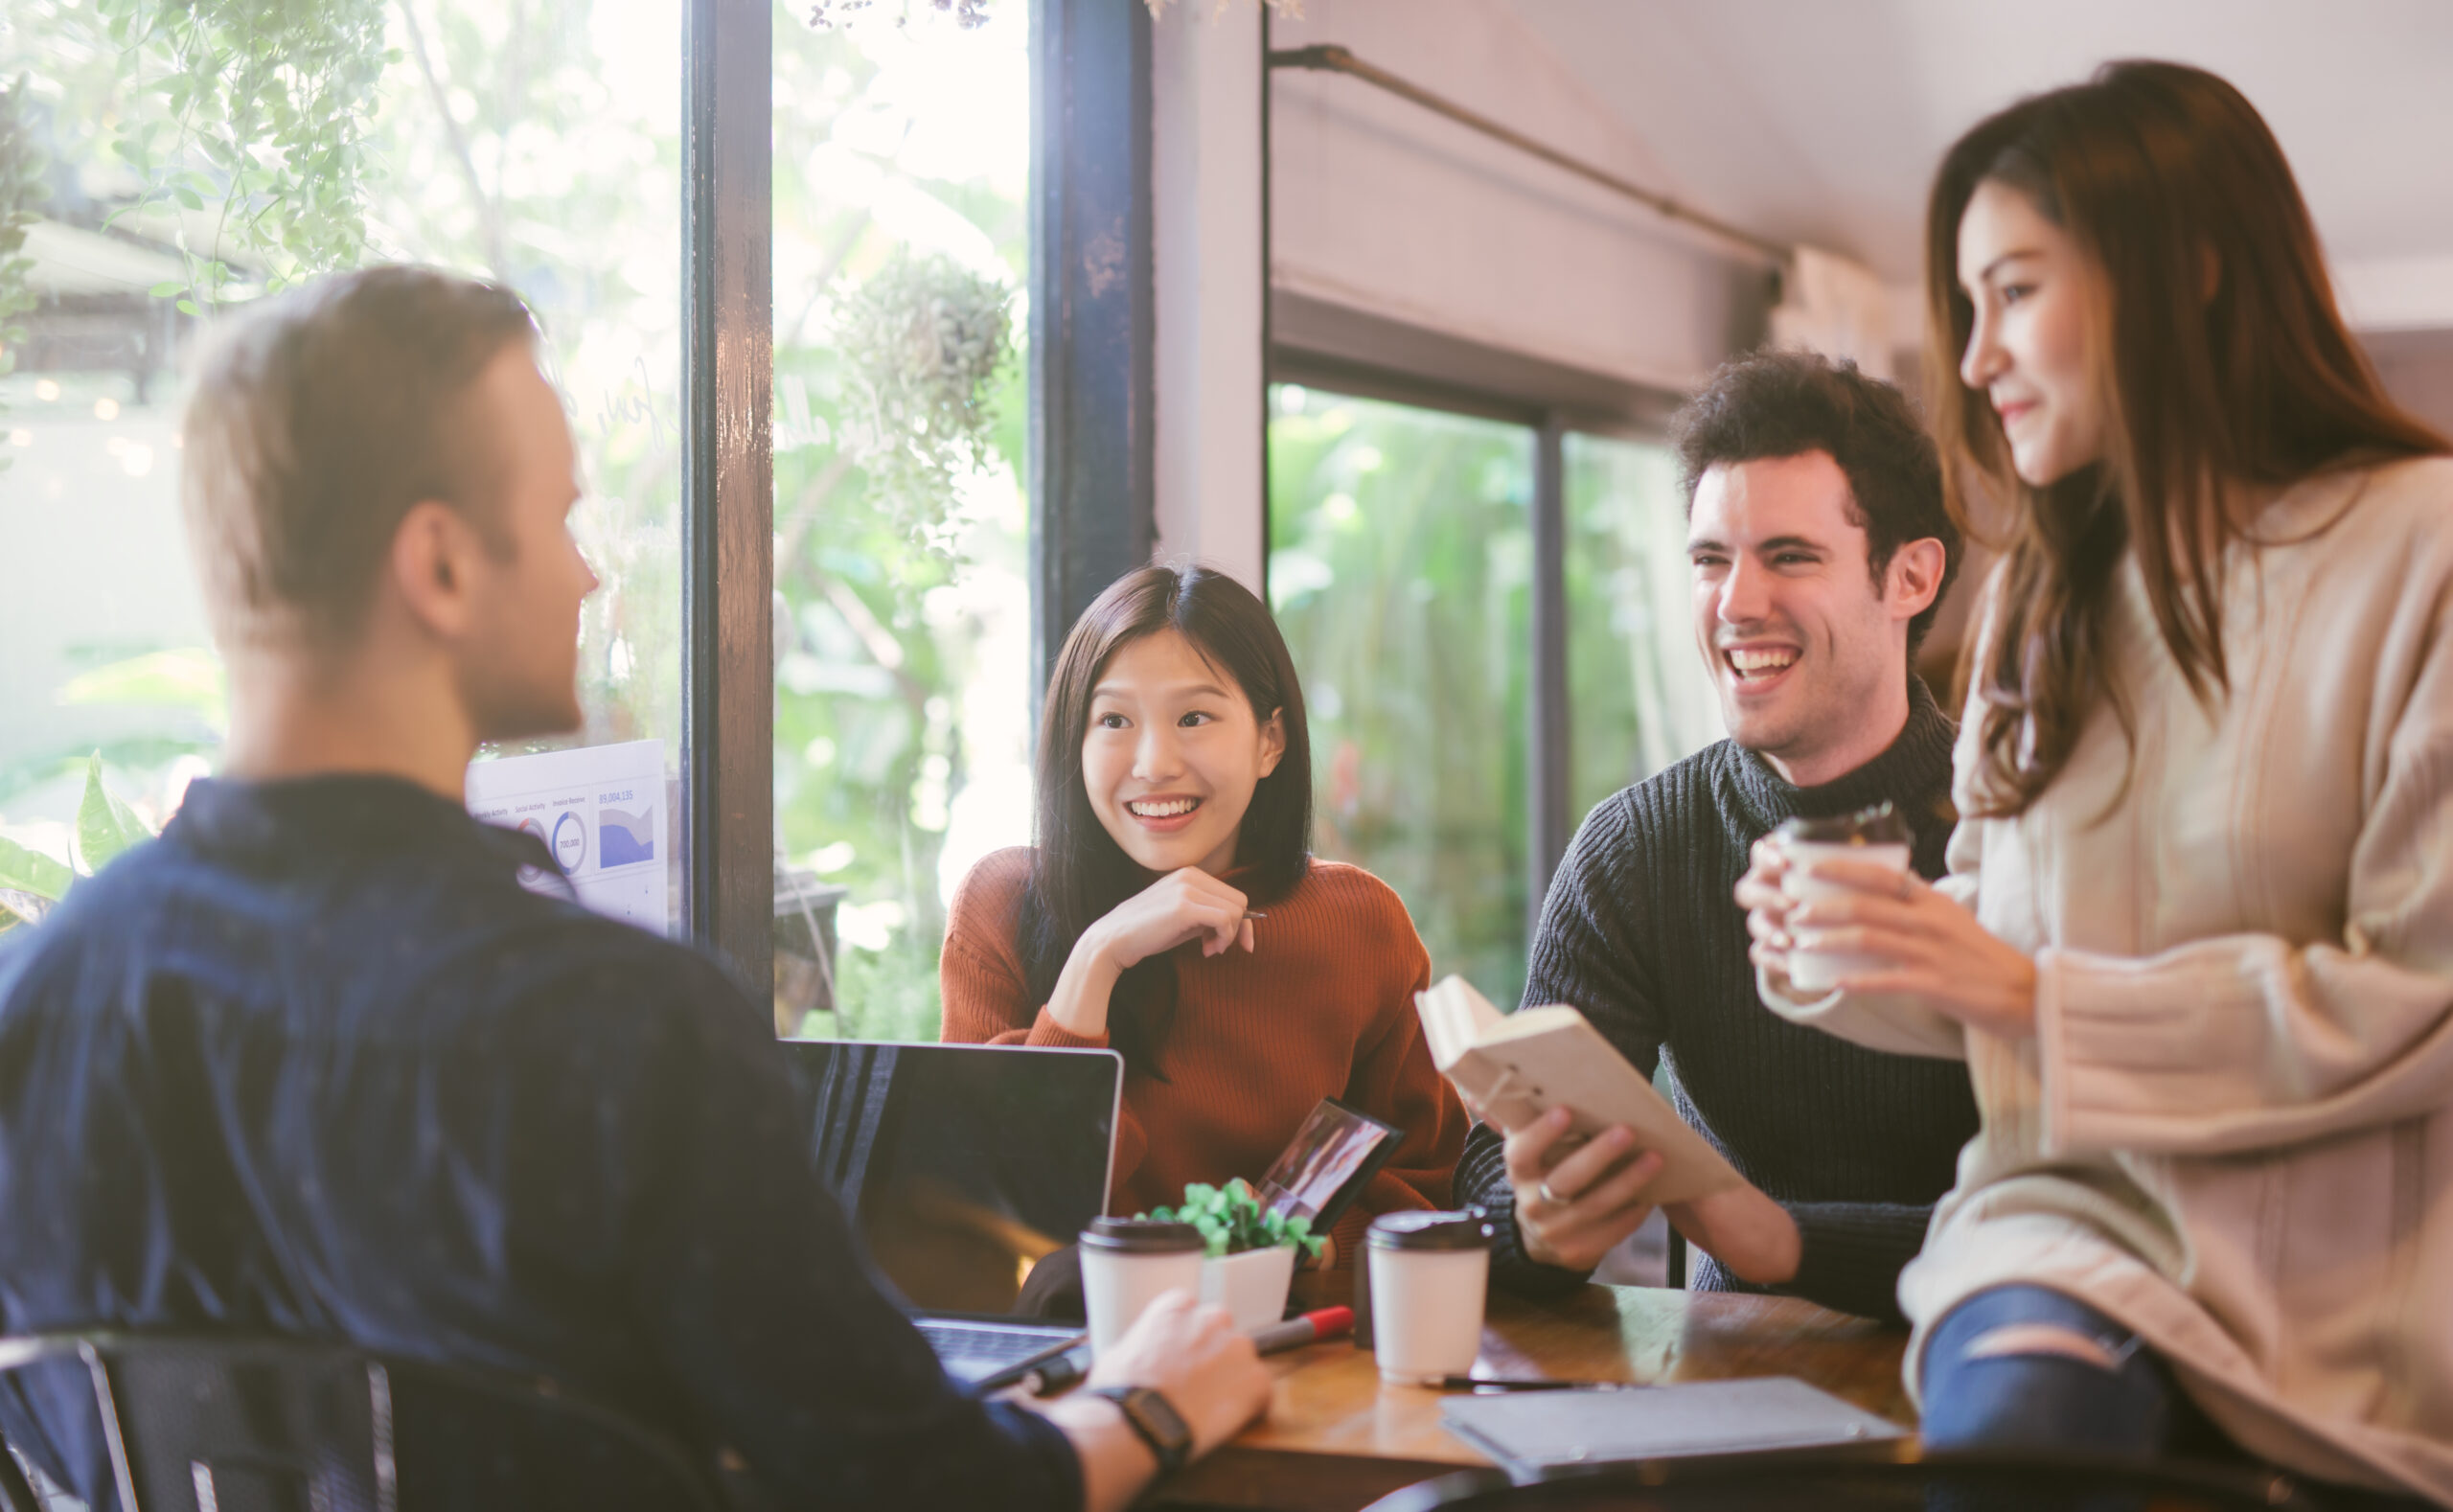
x: 600, y: 810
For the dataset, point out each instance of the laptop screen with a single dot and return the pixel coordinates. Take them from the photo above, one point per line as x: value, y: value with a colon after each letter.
x: 962, y: 1165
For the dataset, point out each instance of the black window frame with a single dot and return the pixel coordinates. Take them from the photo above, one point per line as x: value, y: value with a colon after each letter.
x: 1092, y: 439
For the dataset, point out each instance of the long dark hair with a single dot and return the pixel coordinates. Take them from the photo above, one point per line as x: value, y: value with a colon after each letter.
x: 2163, y: 174
x: 1078, y: 872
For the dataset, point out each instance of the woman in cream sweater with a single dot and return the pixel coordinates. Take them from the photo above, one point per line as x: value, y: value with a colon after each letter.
x: 2196, y: 945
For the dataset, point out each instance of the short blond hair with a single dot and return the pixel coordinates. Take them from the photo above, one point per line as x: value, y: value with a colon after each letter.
x: 317, y: 420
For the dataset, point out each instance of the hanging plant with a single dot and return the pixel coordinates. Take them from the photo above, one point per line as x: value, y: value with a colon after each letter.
x: 261, y: 118
x: 829, y: 14
x: 923, y: 339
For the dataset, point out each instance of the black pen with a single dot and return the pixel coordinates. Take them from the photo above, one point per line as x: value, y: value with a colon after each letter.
x: 1052, y: 1376
x: 1484, y: 1384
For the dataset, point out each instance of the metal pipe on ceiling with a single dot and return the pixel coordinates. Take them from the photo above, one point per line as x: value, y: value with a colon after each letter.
x: 1335, y: 59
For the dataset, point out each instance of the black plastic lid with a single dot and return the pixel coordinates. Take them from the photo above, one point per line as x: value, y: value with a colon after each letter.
x: 1141, y: 1236
x: 1426, y: 1230
x: 1879, y: 825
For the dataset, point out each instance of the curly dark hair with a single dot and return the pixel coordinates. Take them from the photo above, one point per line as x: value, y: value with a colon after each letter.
x: 1783, y: 403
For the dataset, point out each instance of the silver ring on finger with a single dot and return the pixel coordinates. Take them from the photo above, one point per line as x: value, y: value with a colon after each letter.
x: 1551, y: 1196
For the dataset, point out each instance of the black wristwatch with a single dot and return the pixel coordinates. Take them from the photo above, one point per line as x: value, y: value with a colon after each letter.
x: 1155, y: 1419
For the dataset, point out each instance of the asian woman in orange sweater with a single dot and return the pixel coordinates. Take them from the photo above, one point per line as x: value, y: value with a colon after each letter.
x: 1171, y: 909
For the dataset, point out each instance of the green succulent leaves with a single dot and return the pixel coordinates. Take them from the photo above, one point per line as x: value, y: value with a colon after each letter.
x: 1231, y: 1219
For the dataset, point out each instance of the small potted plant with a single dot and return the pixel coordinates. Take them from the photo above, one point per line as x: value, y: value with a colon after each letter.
x: 1252, y: 1251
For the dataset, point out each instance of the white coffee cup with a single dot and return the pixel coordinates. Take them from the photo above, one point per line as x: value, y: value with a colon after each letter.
x: 1821, y: 971
x: 1428, y: 1271
x: 1126, y: 1264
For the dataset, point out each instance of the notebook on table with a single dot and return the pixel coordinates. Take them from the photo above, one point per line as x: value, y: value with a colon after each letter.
x: 1547, y: 1433
x: 966, y: 1170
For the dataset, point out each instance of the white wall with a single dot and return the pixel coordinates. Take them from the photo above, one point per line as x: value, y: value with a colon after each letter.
x: 1381, y: 206
x: 1205, y: 211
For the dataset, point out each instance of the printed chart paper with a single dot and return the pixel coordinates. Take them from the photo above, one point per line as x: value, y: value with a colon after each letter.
x: 600, y: 810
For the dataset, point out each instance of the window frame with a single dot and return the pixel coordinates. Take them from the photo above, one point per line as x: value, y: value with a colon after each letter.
x: 1345, y: 352
x: 728, y: 487
x: 1089, y: 473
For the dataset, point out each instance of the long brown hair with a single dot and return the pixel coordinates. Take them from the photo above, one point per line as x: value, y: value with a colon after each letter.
x: 2159, y: 172
x: 1078, y: 872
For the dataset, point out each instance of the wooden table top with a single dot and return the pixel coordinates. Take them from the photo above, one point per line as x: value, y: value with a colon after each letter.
x: 1338, y: 1438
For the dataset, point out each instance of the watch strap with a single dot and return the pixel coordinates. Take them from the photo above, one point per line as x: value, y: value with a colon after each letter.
x: 1155, y: 1420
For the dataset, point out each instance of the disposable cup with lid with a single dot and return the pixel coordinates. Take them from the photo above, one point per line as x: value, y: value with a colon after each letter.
x: 1127, y: 1262
x: 1428, y: 1272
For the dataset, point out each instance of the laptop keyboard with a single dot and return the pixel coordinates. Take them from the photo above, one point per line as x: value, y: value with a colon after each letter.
x: 984, y: 1346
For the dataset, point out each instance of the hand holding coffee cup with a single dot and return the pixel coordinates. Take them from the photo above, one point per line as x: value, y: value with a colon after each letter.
x: 1875, y: 836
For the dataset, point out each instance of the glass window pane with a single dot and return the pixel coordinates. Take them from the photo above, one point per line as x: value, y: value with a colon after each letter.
x: 1400, y: 562
x: 903, y: 633
x: 1638, y: 696
x: 184, y: 164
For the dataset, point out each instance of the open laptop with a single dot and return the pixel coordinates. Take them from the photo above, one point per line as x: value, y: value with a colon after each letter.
x: 965, y: 1167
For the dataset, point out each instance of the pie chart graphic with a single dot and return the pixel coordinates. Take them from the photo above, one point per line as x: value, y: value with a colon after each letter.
x: 570, y: 842
x: 531, y: 825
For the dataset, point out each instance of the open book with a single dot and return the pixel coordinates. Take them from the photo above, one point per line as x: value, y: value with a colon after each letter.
x: 1514, y: 1067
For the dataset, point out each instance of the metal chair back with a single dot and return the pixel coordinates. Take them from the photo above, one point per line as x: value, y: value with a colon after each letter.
x: 1812, y: 1481
x: 237, y: 1423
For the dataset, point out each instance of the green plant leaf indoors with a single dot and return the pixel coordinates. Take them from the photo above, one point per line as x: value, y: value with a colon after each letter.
x: 105, y: 826
x: 1231, y: 1219
x: 23, y: 869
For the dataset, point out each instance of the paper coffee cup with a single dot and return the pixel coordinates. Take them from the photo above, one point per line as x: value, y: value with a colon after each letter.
x: 1876, y: 836
x: 1126, y: 1264
x: 1428, y: 1271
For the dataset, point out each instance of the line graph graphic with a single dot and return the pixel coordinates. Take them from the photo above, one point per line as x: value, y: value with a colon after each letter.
x: 622, y: 837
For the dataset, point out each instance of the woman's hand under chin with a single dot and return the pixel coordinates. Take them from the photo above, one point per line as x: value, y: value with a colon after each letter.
x: 1185, y: 904
x: 1930, y: 950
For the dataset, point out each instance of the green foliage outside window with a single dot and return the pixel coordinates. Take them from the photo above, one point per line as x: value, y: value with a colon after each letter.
x: 1400, y: 564
x: 254, y: 115
x: 898, y: 435
x: 251, y: 143
x: 1640, y: 694
x: 248, y: 143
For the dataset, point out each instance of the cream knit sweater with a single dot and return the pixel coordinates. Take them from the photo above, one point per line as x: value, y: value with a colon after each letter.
x: 2233, y: 1127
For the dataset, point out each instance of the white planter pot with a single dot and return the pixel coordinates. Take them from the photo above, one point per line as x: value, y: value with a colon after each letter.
x: 1251, y: 1286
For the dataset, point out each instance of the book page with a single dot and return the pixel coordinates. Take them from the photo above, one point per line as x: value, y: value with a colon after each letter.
x: 1514, y: 1069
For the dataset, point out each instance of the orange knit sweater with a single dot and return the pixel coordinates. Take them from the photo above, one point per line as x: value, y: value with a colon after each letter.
x: 1322, y: 1007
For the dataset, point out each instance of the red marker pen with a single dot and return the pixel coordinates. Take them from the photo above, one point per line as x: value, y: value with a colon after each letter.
x: 1327, y: 1322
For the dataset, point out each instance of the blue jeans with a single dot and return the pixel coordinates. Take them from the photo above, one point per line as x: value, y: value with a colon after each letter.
x: 2045, y: 1402
x: 2123, y: 1404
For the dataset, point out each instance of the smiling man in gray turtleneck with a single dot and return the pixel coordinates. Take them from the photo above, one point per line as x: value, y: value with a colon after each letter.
x: 1820, y: 548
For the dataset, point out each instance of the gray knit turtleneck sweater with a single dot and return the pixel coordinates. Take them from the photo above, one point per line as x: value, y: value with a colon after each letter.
x: 1640, y: 934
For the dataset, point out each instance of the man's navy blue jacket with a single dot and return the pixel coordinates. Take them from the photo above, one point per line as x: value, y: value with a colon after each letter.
x: 315, y: 1062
